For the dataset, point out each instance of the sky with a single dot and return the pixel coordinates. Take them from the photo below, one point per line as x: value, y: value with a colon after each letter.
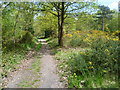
x: 112, y: 4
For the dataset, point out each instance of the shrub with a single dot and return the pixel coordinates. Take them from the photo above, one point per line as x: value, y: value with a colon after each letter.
x: 27, y: 38
x: 105, y: 54
x: 97, y: 67
x: 38, y: 47
x: 75, y: 40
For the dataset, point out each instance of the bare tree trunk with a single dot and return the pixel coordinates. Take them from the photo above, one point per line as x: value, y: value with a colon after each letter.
x: 61, y: 25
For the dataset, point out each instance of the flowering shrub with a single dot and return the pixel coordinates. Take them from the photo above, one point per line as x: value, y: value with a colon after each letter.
x: 86, y: 38
x: 96, y: 67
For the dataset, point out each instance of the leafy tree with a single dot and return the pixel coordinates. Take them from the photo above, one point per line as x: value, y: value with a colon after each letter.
x: 45, y: 22
x: 85, y: 22
x: 113, y: 23
x: 104, y: 13
x: 17, y: 19
x: 62, y: 10
x: 70, y: 24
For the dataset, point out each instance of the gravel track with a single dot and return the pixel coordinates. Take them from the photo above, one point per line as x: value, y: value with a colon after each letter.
x: 47, y: 77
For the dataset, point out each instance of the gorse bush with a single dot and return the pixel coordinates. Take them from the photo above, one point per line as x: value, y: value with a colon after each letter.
x: 93, y: 67
x: 86, y: 38
x: 75, y: 39
x: 105, y: 54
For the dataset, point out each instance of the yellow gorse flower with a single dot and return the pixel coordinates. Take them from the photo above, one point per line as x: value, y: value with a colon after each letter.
x: 91, y: 67
x: 68, y: 35
x: 115, y: 39
x: 106, y: 50
x: 104, y: 71
x: 90, y: 63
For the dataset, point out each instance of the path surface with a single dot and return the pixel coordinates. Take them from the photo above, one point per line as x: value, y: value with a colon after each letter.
x: 47, y: 77
x: 25, y: 76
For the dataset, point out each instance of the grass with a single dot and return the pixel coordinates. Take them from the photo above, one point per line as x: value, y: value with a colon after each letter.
x: 36, y: 65
x: 35, y: 70
x: 11, y: 58
x: 28, y: 84
x: 53, y: 43
x: 48, y: 39
x: 93, y: 67
x: 38, y: 47
x: 78, y: 77
x: 25, y: 84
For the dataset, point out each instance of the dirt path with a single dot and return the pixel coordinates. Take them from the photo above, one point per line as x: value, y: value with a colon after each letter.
x: 29, y: 75
x: 49, y: 76
x: 26, y: 76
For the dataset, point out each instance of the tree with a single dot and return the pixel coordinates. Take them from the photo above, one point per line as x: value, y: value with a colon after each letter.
x: 113, y: 23
x: 85, y: 21
x: 104, y: 13
x: 62, y: 10
x: 16, y: 17
x: 41, y: 26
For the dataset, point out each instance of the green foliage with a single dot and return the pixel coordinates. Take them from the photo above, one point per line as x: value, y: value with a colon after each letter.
x: 104, y: 14
x: 36, y: 65
x: 10, y: 59
x: 38, y: 47
x: 42, y: 28
x: 113, y: 23
x: 107, y: 51
x: 85, y: 22
x: 95, y: 67
x: 27, y: 38
x: 76, y: 41
x: 83, y: 69
x: 48, y: 33
x: 22, y: 21
x: 13, y: 56
x: 53, y: 43
x: 70, y: 24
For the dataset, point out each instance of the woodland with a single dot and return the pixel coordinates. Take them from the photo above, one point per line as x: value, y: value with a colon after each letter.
x: 84, y: 38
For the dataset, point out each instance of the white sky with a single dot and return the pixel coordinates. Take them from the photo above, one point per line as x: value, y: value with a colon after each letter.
x: 112, y: 4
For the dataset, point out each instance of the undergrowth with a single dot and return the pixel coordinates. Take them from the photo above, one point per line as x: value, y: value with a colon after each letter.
x: 96, y: 67
x: 13, y: 56
x: 82, y: 73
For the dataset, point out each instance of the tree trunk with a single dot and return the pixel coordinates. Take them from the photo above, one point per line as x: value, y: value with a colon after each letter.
x: 61, y: 26
x: 103, y: 23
